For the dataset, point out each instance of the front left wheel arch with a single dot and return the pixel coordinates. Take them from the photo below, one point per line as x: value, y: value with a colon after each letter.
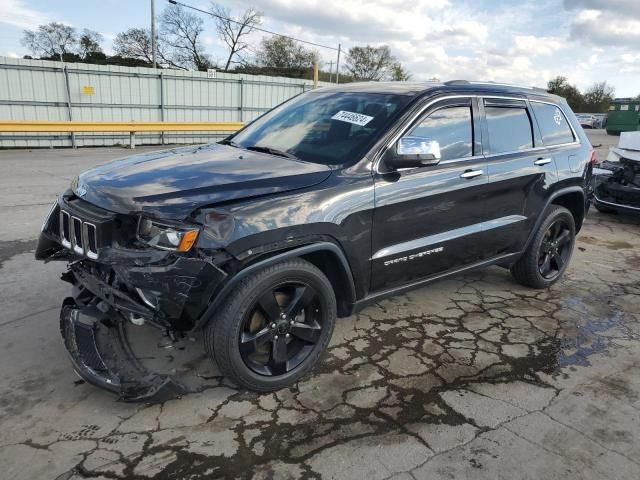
x: 326, y: 256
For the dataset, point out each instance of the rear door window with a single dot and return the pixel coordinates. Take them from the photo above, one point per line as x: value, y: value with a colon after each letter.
x: 509, y: 128
x: 553, y: 124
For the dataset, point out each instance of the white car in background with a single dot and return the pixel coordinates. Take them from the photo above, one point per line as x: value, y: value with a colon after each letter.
x: 587, y: 120
x: 602, y: 119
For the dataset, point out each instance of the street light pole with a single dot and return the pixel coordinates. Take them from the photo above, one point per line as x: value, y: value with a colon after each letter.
x: 153, y: 32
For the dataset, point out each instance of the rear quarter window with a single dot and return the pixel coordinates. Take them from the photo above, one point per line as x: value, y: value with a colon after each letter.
x: 553, y: 124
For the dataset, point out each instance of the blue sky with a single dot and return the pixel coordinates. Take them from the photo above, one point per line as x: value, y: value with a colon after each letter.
x: 508, y: 41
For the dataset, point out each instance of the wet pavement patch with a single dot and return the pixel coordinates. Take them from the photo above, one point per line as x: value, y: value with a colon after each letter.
x: 9, y: 249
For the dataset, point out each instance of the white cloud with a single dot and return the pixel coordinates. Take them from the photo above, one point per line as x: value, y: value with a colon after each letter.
x: 626, y: 7
x: 17, y: 14
x: 362, y: 19
x: 434, y: 38
x: 536, y: 45
x: 630, y: 57
x: 606, y: 22
x: 587, y: 16
x: 629, y: 63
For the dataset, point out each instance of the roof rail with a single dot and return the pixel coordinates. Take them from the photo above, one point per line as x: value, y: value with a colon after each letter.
x: 467, y: 82
x: 457, y: 82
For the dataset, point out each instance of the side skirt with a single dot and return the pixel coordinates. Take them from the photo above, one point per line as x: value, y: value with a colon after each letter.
x: 501, y: 260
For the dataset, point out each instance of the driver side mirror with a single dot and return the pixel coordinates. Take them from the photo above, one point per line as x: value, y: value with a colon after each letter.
x: 412, y: 152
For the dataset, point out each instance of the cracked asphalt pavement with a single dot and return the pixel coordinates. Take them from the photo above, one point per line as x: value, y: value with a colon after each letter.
x: 473, y: 377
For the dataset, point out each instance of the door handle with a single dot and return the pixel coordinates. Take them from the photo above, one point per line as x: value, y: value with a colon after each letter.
x: 542, y: 161
x: 471, y: 173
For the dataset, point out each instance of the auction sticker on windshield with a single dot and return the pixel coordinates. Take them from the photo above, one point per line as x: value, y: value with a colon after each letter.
x: 352, y: 117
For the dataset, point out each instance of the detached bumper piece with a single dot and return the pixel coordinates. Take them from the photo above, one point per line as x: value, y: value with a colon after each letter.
x: 101, y: 355
x: 617, y: 182
x: 616, y: 186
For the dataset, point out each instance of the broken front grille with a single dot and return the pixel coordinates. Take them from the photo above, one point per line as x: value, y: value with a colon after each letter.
x: 78, y: 235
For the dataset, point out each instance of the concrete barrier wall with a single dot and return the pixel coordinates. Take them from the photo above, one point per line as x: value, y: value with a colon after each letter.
x: 45, y: 90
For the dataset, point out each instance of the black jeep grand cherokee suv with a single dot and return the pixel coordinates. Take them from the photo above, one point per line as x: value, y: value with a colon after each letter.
x: 332, y: 200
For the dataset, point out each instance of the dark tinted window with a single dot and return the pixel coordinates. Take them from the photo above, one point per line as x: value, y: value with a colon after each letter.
x: 324, y: 127
x: 509, y: 129
x: 553, y: 124
x: 452, y: 128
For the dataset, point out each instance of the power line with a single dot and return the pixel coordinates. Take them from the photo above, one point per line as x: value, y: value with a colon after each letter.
x: 253, y: 28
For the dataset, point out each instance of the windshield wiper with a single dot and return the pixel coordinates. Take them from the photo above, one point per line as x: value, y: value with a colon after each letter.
x: 272, y: 151
x: 229, y: 142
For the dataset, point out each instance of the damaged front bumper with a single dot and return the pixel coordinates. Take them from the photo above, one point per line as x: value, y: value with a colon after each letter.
x: 166, y: 288
x: 113, y: 285
x: 169, y: 295
x: 101, y: 355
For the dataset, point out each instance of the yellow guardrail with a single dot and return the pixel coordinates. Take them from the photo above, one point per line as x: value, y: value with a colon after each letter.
x: 131, y: 127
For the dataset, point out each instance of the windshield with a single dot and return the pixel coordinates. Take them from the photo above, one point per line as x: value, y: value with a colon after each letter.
x: 328, y: 128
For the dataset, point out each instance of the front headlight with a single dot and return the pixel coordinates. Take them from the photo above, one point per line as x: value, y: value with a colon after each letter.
x: 166, y: 237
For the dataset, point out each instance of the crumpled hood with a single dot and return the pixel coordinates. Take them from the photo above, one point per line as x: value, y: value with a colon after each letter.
x: 172, y: 183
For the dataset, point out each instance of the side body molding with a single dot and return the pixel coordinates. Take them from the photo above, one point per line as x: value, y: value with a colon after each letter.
x: 437, y: 238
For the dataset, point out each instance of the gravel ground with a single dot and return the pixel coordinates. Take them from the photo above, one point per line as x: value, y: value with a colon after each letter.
x: 473, y: 377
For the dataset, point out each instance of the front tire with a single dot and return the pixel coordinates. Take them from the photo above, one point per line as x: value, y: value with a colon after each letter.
x: 275, y: 326
x: 548, y: 255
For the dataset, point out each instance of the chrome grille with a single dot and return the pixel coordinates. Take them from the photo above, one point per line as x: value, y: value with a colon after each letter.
x: 65, y: 229
x: 77, y: 235
x: 90, y: 234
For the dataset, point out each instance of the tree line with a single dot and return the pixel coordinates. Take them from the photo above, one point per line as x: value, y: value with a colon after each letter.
x: 180, y: 45
x: 596, y: 99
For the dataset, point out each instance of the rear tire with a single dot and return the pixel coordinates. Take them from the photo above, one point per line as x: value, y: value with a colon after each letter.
x: 548, y: 255
x: 274, y: 327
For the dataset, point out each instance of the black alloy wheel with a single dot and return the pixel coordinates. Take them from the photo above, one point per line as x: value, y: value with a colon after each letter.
x: 546, y: 258
x: 281, y: 329
x: 555, y: 249
x: 275, y: 326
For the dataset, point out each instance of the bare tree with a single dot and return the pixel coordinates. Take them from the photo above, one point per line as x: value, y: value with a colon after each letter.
x: 89, y: 43
x: 370, y: 63
x: 52, y: 39
x: 181, y: 31
x: 231, y: 30
x: 134, y: 43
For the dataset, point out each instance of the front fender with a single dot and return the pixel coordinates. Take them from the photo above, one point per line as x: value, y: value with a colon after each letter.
x: 232, y: 282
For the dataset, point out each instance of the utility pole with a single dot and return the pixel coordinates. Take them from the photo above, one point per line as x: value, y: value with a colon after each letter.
x: 338, y: 66
x: 153, y: 32
x: 315, y: 74
x: 330, y: 71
